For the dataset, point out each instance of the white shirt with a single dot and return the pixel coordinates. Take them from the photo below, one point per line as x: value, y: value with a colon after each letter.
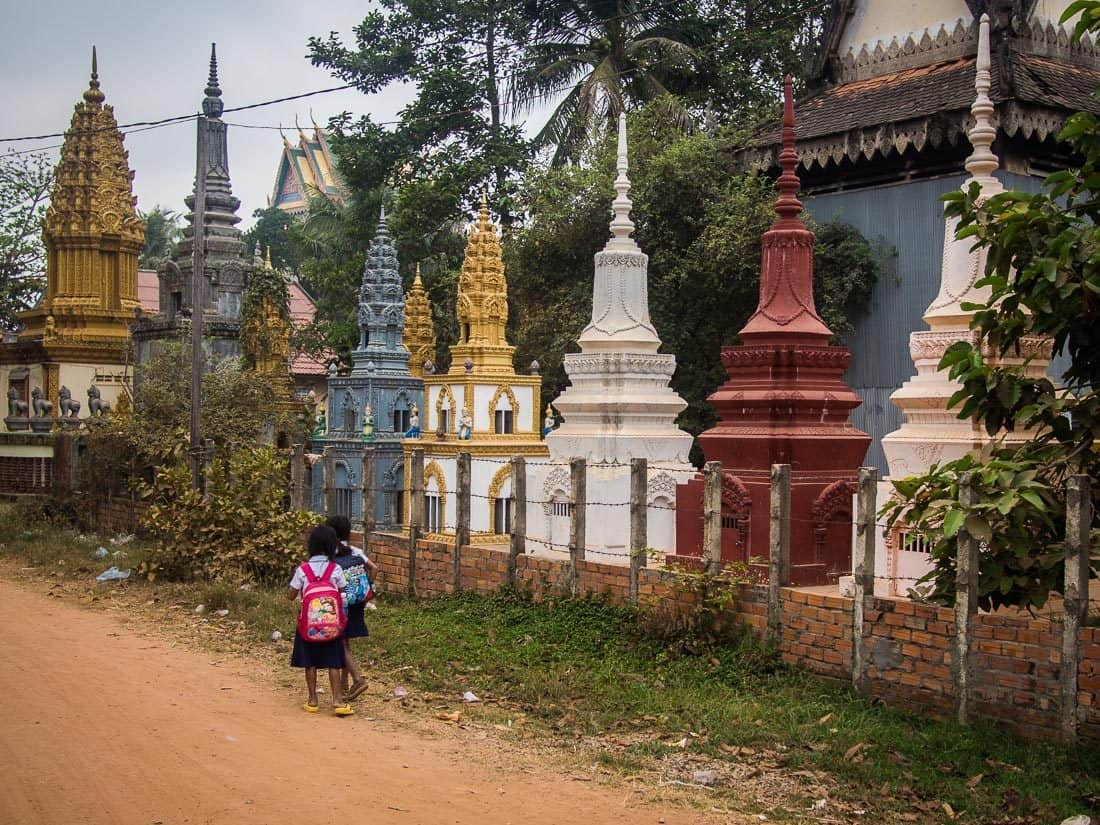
x: 318, y: 564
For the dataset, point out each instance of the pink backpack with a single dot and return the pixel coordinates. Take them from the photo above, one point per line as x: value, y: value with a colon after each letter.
x: 322, y: 617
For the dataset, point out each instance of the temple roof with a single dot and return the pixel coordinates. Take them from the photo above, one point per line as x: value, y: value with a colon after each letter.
x: 419, y: 327
x: 306, y: 169
x: 917, y: 95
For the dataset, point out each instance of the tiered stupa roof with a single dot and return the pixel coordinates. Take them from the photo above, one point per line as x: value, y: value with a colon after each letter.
x: 482, y: 303
x: 419, y: 328
x: 381, y: 308
x: 619, y: 405
x: 92, y: 233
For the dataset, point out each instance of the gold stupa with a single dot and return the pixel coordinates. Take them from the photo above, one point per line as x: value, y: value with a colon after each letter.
x: 419, y: 336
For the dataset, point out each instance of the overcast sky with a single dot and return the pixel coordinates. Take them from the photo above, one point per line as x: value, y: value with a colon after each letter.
x: 153, y: 59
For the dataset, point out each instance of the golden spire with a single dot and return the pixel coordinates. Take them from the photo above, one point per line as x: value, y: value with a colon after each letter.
x: 419, y: 335
x: 92, y: 232
x: 267, y: 260
x: 482, y: 304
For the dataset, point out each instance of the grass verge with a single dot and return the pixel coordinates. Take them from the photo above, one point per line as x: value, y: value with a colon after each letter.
x: 767, y: 739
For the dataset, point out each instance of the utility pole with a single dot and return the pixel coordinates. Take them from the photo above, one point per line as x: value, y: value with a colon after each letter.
x: 197, y: 300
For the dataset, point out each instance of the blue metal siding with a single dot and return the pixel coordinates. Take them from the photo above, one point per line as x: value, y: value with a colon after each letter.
x: 906, y: 218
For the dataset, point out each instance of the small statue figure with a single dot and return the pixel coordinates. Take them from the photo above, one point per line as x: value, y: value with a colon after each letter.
x: 51, y: 327
x: 414, y: 423
x: 17, y: 407
x: 67, y: 405
x: 97, y: 407
x: 465, y: 425
x: 320, y: 427
x: 549, y: 423
x: 368, y: 424
x: 42, y: 405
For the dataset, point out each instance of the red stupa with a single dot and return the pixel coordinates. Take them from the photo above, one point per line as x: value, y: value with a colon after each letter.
x: 785, y: 402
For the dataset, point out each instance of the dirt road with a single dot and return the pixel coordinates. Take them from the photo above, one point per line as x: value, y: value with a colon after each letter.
x: 104, y: 725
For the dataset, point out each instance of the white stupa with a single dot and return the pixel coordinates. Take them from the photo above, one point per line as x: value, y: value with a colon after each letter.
x: 619, y: 404
x: 932, y: 433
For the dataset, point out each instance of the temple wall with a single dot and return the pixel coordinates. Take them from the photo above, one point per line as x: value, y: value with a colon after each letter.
x: 908, y: 218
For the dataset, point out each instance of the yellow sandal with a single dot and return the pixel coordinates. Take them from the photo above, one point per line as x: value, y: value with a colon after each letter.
x: 308, y: 708
x: 343, y: 710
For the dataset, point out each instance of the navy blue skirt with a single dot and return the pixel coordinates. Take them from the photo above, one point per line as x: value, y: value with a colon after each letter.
x: 357, y: 623
x: 321, y: 655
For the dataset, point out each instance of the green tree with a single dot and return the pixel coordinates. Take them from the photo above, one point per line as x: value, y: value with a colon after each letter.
x: 25, y: 184
x: 274, y: 229
x: 453, y: 138
x: 162, y: 233
x: 1043, y: 272
x: 601, y: 55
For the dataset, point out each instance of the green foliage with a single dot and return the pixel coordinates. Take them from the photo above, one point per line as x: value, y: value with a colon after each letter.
x: 274, y: 230
x: 1017, y: 515
x: 25, y: 184
x: 1043, y: 274
x: 162, y: 233
x: 238, y: 407
x: 239, y: 531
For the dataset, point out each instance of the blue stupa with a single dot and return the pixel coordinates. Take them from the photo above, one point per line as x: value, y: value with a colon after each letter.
x: 375, y: 404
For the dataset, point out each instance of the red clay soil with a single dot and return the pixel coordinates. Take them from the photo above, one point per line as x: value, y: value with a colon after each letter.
x: 103, y: 725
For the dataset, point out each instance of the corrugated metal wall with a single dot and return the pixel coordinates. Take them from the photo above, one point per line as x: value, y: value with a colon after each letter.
x: 906, y: 218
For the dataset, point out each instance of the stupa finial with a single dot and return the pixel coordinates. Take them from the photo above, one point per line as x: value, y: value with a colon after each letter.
x: 212, y: 105
x: 94, y: 95
x: 788, y: 206
x: 267, y: 260
x: 416, y: 277
x: 258, y: 256
x: 982, y: 163
x: 621, y: 225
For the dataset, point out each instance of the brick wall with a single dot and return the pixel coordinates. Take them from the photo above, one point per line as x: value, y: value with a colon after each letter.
x: 113, y: 514
x: 907, y: 647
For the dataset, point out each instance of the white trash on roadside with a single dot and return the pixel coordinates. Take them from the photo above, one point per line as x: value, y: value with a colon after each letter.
x: 100, y: 553
x: 112, y: 574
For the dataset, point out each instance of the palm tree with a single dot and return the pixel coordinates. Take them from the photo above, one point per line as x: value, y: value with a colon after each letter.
x: 603, y: 54
x: 162, y: 233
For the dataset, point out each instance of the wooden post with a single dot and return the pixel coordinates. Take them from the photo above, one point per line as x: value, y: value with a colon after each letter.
x: 712, y: 516
x: 1078, y: 522
x: 416, y: 512
x: 577, y: 476
x: 779, y: 544
x: 966, y: 604
x: 207, y: 466
x: 330, y: 481
x: 297, y: 477
x: 864, y: 597
x: 369, y: 506
x: 518, y: 545
x: 462, y: 516
x: 639, y: 521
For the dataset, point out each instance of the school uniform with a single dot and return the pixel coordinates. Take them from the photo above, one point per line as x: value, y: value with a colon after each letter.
x: 322, y: 655
x: 357, y: 622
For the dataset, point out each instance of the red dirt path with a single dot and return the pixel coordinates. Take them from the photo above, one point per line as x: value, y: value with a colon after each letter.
x: 102, y: 725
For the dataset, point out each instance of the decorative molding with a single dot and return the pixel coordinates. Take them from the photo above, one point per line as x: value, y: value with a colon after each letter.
x: 501, y: 476
x: 445, y: 393
x: 556, y: 480
x: 503, y: 389
x: 833, y: 500
x: 433, y: 470
x: 661, y: 485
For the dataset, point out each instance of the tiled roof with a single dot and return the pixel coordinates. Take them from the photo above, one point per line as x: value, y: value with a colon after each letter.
x: 148, y: 291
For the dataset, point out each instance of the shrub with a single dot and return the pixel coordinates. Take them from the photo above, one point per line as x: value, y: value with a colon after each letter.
x: 238, y: 531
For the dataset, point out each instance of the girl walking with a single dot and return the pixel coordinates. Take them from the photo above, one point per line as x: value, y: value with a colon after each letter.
x: 357, y: 569
x: 320, y: 582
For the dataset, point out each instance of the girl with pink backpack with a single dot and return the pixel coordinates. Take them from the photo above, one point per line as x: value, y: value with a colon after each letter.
x: 318, y: 642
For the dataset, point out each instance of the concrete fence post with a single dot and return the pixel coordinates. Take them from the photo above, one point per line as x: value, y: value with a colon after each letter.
x: 207, y: 466
x: 462, y: 514
x: 779, y: 544
x: 966, y: 605
x: 368, y: 507
x: 712, y: 517
x: 329, y: 459
x: 297, y: 477
x: 1076, y: 604
x: 416, y: 512
x: 639, y: 522
x: 577, y: 477
x: 864, y: 596
x: 518, y: 544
